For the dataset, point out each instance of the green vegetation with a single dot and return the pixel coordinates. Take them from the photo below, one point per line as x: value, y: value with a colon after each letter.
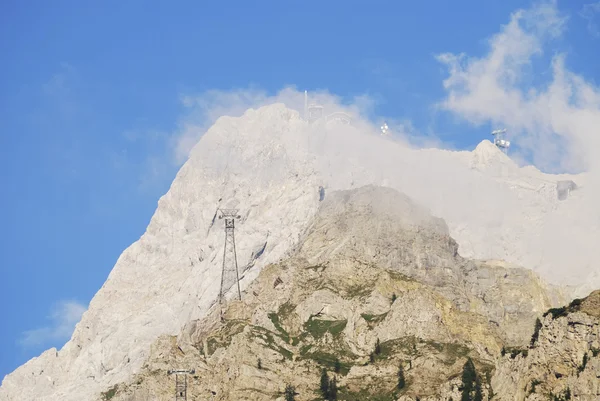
x: 259, y: 364
x: 327, y: 360
x: 565, y: 396
x: 274, y: 317
x: 289, y: 393
x: 576, y: 303
x: 318, y: 328
x: 533, y: 385
x: 223, y: 337
x: 574, y: 306
x: 397, y: 276
x: 401, y: 381
x: 468, y: 379
x: 449, y: 352
x: 394, y: 297
x: 286, y: 310
x: 283, y: 313
x: 328, y: 387
x: 358, y: 291
x: 337, y: 366
x: 377, y: 347
x: 514, y: 352
x: 267, y: 337
x: 536, y: 332
x: 333, y: 390
x: 316, y: 267
x: 107, y: 395
x: 373, y: 320
x: 581, y: 367
x: 471, y: 383
x: 557, y: 312
x: 324, y: 386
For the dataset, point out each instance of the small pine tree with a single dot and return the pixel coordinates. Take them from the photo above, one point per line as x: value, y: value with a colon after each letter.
x: 401, y: 381
x: 290, y: 393
x: 568, y: 394
x: 536, y: 332
x: 372, y: 357
x: 394, y: 297
x: 332, y: 396
x: 337, y: 366
x: 324, y: 383
x: 468, y: 378
x: 581, y: 368
x: 259, y: 365
x: 377, y: 347
x: 503, y: 352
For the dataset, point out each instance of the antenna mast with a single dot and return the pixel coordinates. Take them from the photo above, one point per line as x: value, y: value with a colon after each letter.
x: 181, y: 382
x: 306, y: 105
x: 229, y: 274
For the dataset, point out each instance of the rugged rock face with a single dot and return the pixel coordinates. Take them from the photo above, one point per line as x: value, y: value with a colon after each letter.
x: 172, y: 274
x: 563, y: 362
x: 320, y: 313
x: 336, y: 305
x: 382, y: 227
x: 270, y: 164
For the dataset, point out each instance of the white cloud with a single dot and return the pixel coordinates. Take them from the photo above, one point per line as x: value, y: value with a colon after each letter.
x: 204, y: 109
x: 62, y: 320
x: 589, y: 12
x: 557, y: 123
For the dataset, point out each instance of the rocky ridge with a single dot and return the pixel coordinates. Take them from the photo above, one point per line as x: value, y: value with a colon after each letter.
x: 372, y: 312
x: 563, y: 361
x: 269, y: 163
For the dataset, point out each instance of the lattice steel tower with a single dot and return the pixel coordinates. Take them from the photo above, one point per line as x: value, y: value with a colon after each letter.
x: 229, y: 275
x: 181, y: 383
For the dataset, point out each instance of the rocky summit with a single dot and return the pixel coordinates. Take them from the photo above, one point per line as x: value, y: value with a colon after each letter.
x: 346, y: 242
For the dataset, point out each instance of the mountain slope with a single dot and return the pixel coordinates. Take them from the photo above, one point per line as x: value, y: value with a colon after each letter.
x: 564, y: 360
x: 335, y: 300
x: 270, y: 163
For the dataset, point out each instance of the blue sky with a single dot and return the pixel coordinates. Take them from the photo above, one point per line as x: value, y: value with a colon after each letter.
x: 91, y: 109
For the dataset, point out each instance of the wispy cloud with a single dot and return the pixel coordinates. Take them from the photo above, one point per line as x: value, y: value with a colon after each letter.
x: 556, y: 123
x: 203, y: 110
x: 164, y: 152
x: 59, y: 328
x: 590, y: 13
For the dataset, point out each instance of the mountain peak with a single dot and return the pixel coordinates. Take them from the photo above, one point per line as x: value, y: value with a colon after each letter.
x: 487, y: 154
x: 279, y: 170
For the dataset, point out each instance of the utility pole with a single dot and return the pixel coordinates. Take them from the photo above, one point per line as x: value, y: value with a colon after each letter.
x: 181, y: 382
x: 229, y: 274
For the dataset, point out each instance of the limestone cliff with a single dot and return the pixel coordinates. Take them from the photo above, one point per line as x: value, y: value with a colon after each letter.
x: 270, y: 164
x: 563, y: 361
x: 374, y: 286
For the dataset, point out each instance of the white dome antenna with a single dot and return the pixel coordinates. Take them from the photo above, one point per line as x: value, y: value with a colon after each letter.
x: 384, y: 128
x: 500, y: 140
